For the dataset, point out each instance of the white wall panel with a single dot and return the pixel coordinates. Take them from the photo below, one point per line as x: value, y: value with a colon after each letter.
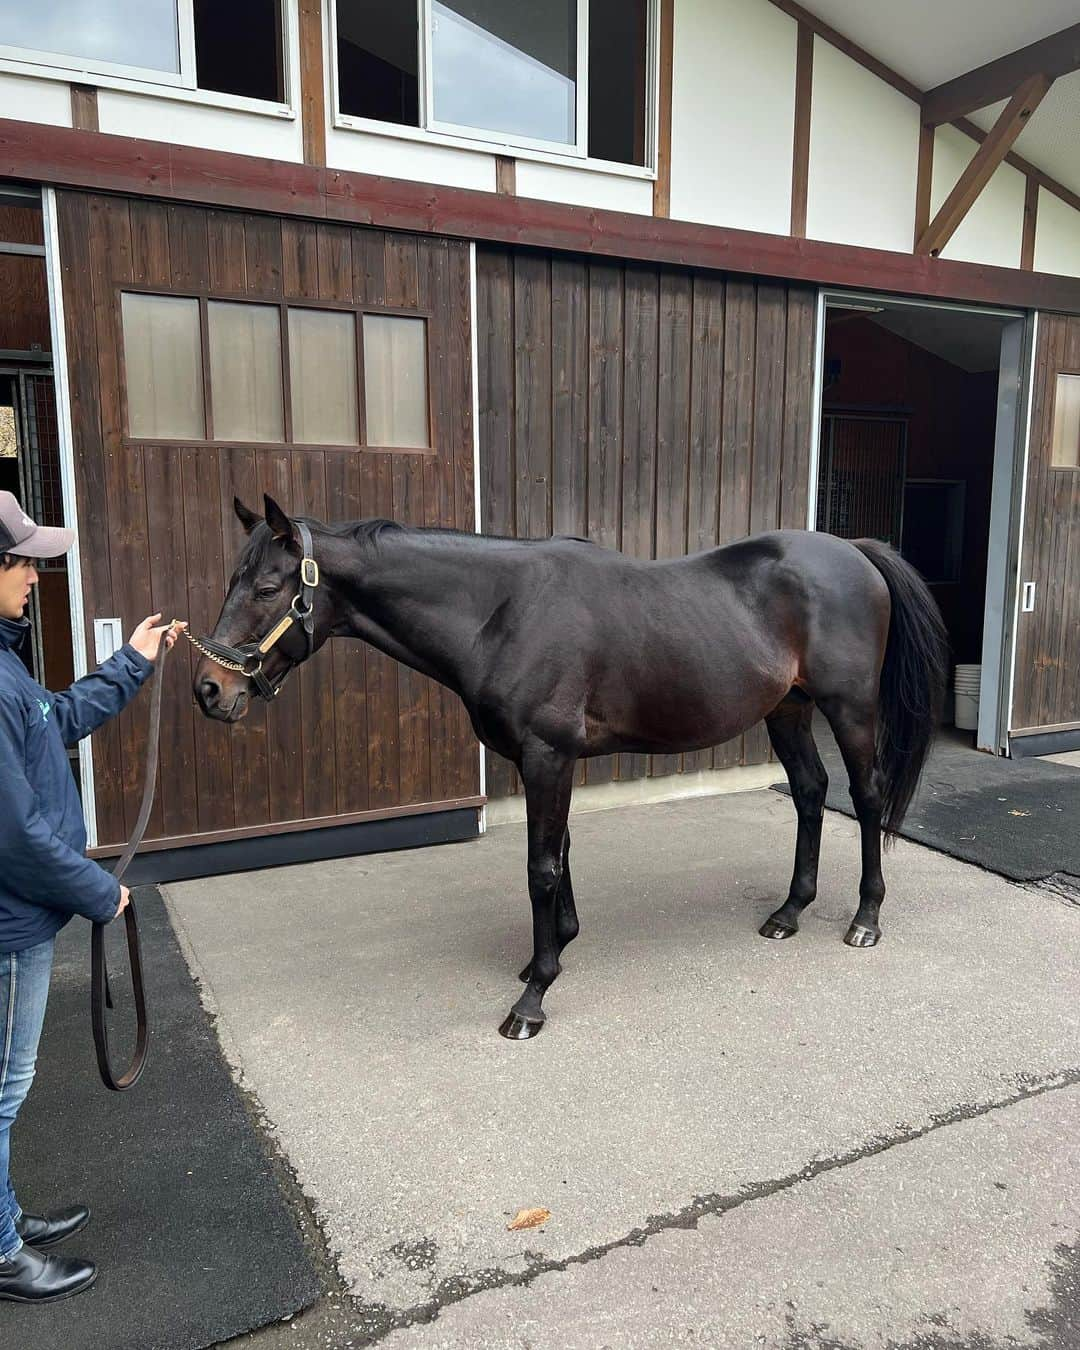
x: 1057, y: 236
x: 583, y: 187
x: 732, y: 114
x: 25, y: 99
x: 155, y: 117
x: 418, y: 161
x: 992, y: 231
x: 864, y: 156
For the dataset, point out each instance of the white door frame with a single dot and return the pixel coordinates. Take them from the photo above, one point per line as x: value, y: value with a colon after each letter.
x: 67, y: 482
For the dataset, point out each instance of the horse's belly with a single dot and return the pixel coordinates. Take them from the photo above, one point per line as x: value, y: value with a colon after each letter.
x: 676, y: 717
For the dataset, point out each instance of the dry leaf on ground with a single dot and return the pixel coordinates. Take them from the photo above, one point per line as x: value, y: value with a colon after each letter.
x: 528, y: 1218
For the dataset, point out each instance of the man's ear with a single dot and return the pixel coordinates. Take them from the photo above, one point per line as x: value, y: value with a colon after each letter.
x: 246, y: 518
x: 281, y: 526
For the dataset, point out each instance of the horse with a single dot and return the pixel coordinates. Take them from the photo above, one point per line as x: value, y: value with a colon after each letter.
x: 562, y: 650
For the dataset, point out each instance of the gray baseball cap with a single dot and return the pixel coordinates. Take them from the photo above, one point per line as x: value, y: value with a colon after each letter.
x: 20, y: 536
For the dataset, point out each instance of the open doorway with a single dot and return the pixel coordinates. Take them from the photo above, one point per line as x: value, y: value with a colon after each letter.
x: 29, y: 441
x: 910, y: 434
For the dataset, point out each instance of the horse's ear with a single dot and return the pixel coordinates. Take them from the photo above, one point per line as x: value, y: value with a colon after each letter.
x: 246, y: 518
x: 280, y: 525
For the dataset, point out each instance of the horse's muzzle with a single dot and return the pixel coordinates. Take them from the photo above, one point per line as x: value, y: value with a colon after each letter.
x: 223, y: 704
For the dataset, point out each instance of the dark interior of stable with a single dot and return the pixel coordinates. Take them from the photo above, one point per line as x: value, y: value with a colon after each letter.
x: 909, y: 410
x: 29, y: 444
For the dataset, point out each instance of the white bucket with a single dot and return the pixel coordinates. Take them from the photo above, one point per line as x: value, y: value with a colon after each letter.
x: 967, y: 687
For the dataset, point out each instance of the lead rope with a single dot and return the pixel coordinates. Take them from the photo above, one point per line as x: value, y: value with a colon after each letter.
x: 100, y: 994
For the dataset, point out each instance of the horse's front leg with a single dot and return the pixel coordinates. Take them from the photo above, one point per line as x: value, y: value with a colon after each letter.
x: 566, y: 919
x: 548, y: 776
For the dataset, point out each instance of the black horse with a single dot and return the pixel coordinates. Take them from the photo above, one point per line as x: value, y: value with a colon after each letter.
x: 560, y: 650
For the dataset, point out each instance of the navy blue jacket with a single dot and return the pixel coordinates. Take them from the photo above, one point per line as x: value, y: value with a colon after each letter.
x: 45, y: 877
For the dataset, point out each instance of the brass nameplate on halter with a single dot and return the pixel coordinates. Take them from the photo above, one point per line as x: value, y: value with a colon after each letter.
x: 309, y: 572
x: 279, y: 630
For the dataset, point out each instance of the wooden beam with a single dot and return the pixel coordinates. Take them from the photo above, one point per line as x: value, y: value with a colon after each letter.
x: 1067, y: 195
x: 911, y: 91
x: 1053, y: 56
x: 924, y: 181
x: 662, y: 184
x: 849, y: 48
x: 985, y: 161
x: 1031, y: 216
x: 506, y: 175
x: 96, y: 162
x: 84, y: 107
x: 312, y: 81
x: 800, y: 158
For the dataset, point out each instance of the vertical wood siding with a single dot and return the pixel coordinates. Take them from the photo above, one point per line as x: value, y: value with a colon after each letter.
x: 652, y: 409
x: 354, y: 731
x: 1046, y: 692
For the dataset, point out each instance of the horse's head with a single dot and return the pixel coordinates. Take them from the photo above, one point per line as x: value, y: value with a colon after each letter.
x: 276, y: 613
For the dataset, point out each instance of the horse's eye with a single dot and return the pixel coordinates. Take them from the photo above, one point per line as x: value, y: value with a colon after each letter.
x: 266, y: 592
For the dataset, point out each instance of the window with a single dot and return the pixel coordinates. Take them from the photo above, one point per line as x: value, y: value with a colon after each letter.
x: 569, y: 76
x: 376, y: 60
x: 245, y: 371
x: 239, y: 48
x: 232, y: 48
x: 1066, y: 430
x: 163, y: 367
x: 395, y: 380
x: 322, y: 363
x: 509, y: 69
x: 277, y: 374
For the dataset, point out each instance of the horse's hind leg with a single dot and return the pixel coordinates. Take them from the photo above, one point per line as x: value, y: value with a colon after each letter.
x: 548, y: 776
x: 566, y: 919
x: 791, y: 733
x: 854, y: 727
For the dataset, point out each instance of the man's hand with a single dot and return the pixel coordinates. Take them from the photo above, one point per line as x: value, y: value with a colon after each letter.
x: 125, y: 896
x: 146, y: 639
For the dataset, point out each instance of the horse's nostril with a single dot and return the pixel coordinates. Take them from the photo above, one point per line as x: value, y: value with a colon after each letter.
x: 209, y: 690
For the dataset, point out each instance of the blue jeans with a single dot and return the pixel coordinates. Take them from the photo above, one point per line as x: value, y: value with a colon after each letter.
x: 24, y: 992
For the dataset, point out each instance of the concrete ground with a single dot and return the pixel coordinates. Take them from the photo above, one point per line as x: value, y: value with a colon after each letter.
x: 741, y: 1143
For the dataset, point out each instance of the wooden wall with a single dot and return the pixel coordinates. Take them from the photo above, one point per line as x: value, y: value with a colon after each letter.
x: 651, y: 409
x: 355, y: 733
x: 1046, y: 690
x: 24, y: 298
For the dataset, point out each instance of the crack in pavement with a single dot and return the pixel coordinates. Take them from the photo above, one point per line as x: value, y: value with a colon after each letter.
x: 377, y: 1320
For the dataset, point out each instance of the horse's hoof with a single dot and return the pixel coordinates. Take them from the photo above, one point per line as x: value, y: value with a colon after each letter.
x: 858, y: 935
x: 772, y: 928
x: 518, y: 1028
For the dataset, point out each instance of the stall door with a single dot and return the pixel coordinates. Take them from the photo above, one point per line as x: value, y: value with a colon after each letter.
x: 1046, y: 694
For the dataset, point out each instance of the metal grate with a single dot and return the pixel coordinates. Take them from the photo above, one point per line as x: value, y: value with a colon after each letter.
x: 861, y: 481
x: 42, y: 461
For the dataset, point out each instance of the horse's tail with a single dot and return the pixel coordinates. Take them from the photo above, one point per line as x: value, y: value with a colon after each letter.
x: 913, y: 680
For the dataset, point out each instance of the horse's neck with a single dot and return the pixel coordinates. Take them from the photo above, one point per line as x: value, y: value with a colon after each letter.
x: 420, y: 597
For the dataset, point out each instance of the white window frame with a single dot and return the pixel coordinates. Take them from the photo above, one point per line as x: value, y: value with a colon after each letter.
x: 182, y: 84
x: 433, y: 132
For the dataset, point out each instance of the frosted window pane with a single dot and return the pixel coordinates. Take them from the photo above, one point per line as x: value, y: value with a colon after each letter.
x: 506, y: 68
x: 245, y: 371
x: 1067, y: 422
x: 163, y: 367
x: 395, y: 381
x: 322, y: 366
x: 139, y: 33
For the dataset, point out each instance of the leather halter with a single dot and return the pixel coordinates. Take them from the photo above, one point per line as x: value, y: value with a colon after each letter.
x: 247, y: 658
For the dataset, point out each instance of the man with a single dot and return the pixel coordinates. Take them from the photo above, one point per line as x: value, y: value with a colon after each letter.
x: 45, y: 877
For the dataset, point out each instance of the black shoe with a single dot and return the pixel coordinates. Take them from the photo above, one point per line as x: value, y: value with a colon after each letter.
x: 47, y: 1230
x: 30, y: 1277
